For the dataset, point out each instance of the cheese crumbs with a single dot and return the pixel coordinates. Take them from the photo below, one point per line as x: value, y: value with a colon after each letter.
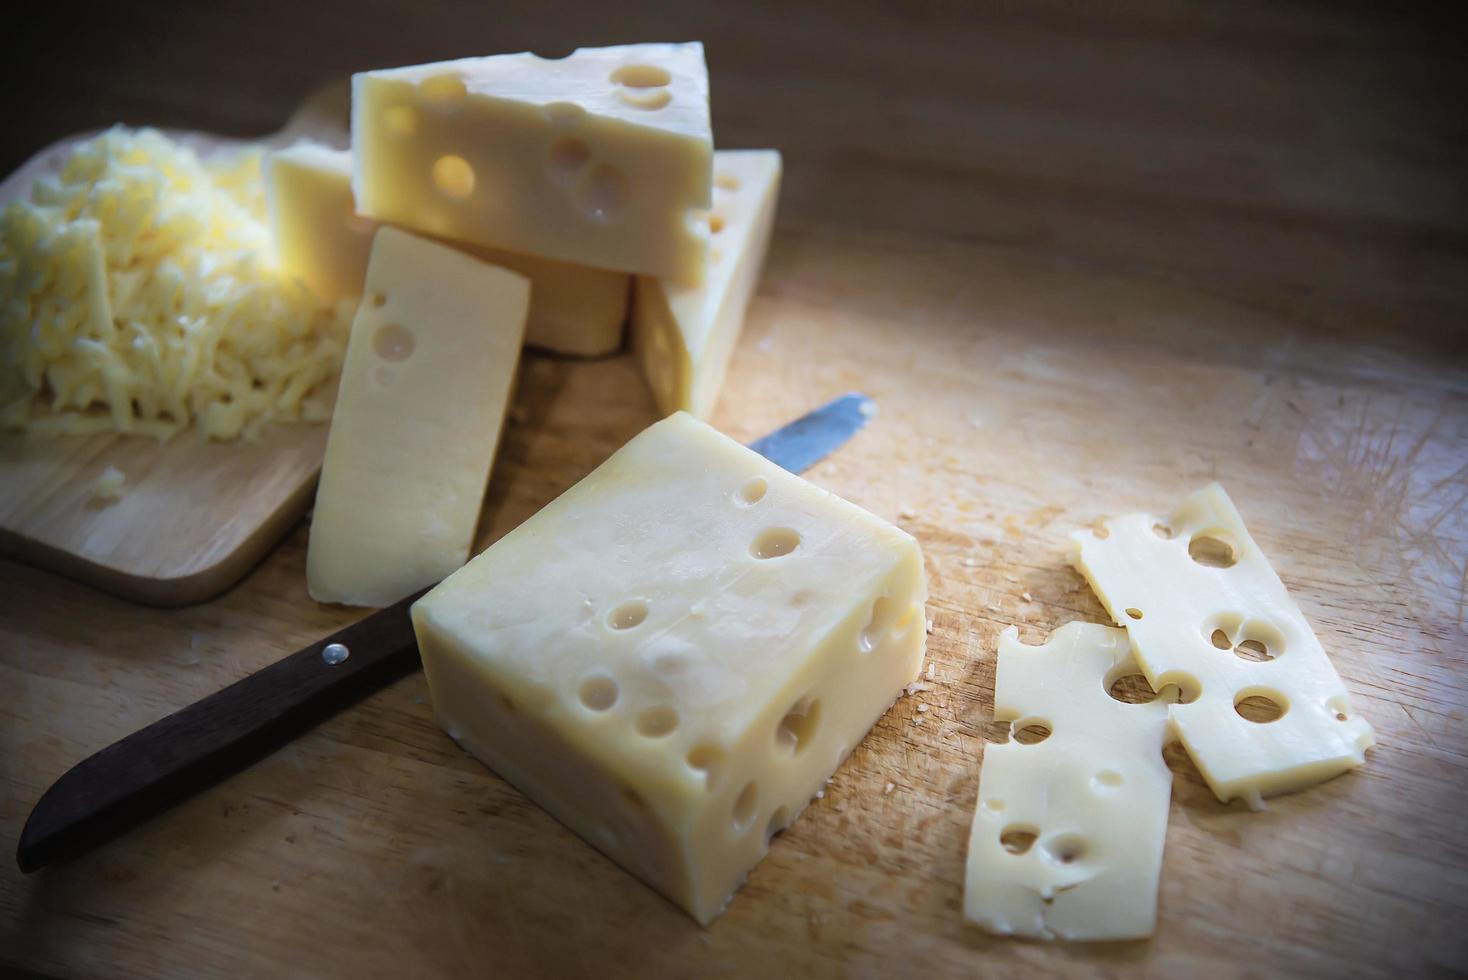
x: 138, y: 294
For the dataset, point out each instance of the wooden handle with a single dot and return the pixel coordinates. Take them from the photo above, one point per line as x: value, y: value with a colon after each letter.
x: 197, y: 746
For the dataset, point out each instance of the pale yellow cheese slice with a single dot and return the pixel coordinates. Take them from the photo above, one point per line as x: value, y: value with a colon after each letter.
x: 684, y: 336
x: 574, y: 309
x: 428, y: 374
x: 675, y: 654
x: 601, y: 158
x: 1068, y: 832
x: 1207, y: 613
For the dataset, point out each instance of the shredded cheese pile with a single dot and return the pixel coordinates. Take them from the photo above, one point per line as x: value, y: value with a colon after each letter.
x: 138, y: 294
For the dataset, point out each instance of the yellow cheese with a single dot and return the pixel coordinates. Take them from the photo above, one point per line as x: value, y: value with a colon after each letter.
x: 574, y: 309
x: 427, y: 377
x: 685, y: 335
x: 1068, y: 832
x: 601, y: 158
x: 674, y: 655
x: 1207, y: 614
x: 137, y: 295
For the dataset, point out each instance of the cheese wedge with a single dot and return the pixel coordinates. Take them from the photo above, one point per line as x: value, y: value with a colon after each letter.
x: 601, y: 158
x: 1207, y: 613
x: 1068, y: 831
x: 428, y: 374
x: 674, y: 655
x: 320, y: 239
x: 684, y: 336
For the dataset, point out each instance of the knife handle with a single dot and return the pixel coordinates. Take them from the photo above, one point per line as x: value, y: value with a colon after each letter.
x: 193, y: 748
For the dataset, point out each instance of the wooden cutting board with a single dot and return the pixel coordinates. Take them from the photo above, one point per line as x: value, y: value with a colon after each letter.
x: 194, y: 516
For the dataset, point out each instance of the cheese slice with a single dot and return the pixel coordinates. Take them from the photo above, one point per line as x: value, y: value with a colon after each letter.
x: 685, y: 335
x: 1207, y: 613
x: 320, y: 239
x: 601, y: 158
x: 427, y: 377
x: 674, y: 655
x: 1068, y: 831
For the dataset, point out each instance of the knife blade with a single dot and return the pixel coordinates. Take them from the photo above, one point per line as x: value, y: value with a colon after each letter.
x: 199, y: 745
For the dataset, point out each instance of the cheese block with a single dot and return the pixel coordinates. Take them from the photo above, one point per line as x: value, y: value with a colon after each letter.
x: 674, y: 655
x: 1206, y: 613
x: 602, y: 158
x: 428, y: 373
x: 685, y: 335
x: 320, y: 239
x: 1068, y: 832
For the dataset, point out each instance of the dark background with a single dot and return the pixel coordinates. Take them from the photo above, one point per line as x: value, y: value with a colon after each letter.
x: 1307, y: 157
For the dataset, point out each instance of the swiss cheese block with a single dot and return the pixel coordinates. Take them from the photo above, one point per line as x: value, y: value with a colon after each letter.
x: 574, y: 309
x: 685, y: 335
x: 428, y: 372
x: 674, y: 655
x: 1068, y: 832
x: 602, y: 158
x: 1207, y: 613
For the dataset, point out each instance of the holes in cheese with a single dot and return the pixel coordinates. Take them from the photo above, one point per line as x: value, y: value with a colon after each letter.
x: 753, y: 491
x: 568, y: 156
x: 453, y: 176
x: 628, y: 614
x: 880, y: 620
x: 393, y: 342
x: 775, y: 542
x: 443, y: 93
x: 642, y: 76
x: 734, y: 699
x: 605, y: 193
x: 1209, y: 591
x: 1068, y: 832
x: 1029, y: 731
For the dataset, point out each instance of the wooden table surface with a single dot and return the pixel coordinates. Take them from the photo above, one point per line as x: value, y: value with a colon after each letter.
x: 1086, y: 260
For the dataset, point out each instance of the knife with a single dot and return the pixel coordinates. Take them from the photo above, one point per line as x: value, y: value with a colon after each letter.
x: 193, y: 748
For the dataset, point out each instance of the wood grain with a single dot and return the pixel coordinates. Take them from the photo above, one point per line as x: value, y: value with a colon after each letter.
x: 1086, y: 260
x: 194, y: 517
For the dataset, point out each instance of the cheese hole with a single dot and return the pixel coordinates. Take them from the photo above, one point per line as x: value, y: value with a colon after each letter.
x: 779, y: 820
x: 1029, y: 731
x: 605, y: 193
x: 393, y: 342
x: 753, y: 491
x: 1132, y: 689
x: 1106, y: 779
x: 378, y: 299
x: 904, y: 624
x: 1252, y: 650
x: 1064, y: 849
x: 744, y: 807
x: 876, y: 627
x: 453, y: 176
x: 598, y: 693
x: 798, y: 727
x: 628, y: 614
x: 563, y: 113
x: 1338, y: 705
x: 443, y: 92
x: 1221, y: 640
x: 1017, y: 838
x: 705, y: 759
x: 1211, y: 551
x: 1134, y: 613
x: 994, y: 806
x: 1162, y: 531
x: 716, y: 223
x: 400, y: 120
x: 727, y: 181
x: 657, y: 722
x: 641, y: 76
x: 1260, y: 705
x: 650, y: 99
x: 1178, y: 687
x: 568, y: 155
x: 775, y: 542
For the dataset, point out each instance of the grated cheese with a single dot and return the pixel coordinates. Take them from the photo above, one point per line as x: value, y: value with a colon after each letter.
x: 138, y: 295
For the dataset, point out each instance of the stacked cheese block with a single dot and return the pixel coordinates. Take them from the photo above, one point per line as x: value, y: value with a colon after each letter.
x: 675, y: 655
x: 488, y: 202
